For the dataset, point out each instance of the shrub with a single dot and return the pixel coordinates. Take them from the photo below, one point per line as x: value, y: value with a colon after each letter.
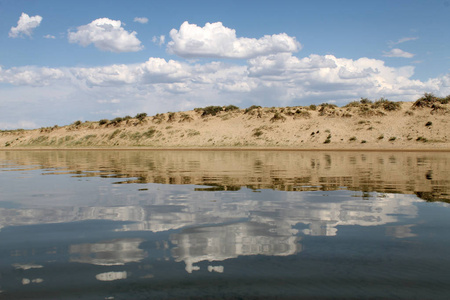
x: 77, y: 123
x: 363, y: 141
x: 422, y: 139
x: 365, y: 101
x: 353, y: 104
x: 253, y: 107
x: 429, y: 123
x: 312, y: 107
x: 426, y: 100
x: 193, y: 132
x: 445, y: 100
x: 230, y: 108
x: 353, y: 138
x: 327, y: 141
x: 103, y: 121
x: 326, y: 107
x: 381, y: 137
x: 387, y: 105
x: 158, y: 118
x: 302, y: 114
x: 278, y: 117
x: 115, y: 121
x: 171, y: 117
x: 149, y: 133
x: 391, y: 139
x: 211, y: 110
x: 114, y: 134
x: 141, y: 116
x: 185, y: 118
x: 257, y: 132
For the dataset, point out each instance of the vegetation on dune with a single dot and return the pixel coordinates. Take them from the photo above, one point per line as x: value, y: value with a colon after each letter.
x: 144, y: 130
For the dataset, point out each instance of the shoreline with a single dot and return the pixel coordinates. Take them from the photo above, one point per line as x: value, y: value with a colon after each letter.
x: 281, y: 149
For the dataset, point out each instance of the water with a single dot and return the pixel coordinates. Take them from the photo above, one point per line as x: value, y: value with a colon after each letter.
x: 224, y: 225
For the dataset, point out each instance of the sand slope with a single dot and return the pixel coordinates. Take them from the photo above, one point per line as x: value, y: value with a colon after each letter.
x: 355, y: 126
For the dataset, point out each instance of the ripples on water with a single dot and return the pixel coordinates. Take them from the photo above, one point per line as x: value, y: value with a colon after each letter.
x: 224, y: 224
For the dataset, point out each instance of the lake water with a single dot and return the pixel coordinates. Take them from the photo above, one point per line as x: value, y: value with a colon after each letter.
x: 224, y: 225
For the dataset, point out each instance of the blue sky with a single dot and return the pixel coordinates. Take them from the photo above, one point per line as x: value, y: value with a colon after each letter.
x: 62, y: 61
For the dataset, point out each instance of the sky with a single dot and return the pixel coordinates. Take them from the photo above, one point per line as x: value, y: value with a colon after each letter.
x: 63, y: 61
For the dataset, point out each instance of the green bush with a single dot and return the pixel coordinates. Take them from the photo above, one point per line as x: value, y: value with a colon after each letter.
x: 185, y: 118
x: 278, y: 117
x: 171, y: 117
x: 353, y: 138
x: 253, y: 107
x: 211, y: 110
x: 141, y: 116
x: 365, y: 101
x: 427, y: 100
x: 149, y: 133
x: 387, y: 105
x: 429, y: 123
x: 115, y: 121
x: 103, y: 121
x: 391, y: 139
x: 257, y: 132
x: 231, y: 108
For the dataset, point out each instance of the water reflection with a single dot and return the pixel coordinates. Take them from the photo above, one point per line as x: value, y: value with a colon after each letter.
x: 425, y: 174
x: 110, y: 213
x: 108, y: 253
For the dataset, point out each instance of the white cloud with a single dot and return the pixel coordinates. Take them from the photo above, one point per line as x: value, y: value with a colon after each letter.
x: 112, y: 101
x: 31, y: 76
x: 113, y: 75
x: 159, y: 85
x: 216, y: 40
x: 159, y: 40
x: 284, y: 64
x: 49, y: 36
x: 25, y: 25
x: 398, y: 53
x: 141, y: 20
x: 19, y: 124
x: 158, y: 70
x: 402, y: 40
x: 106, y: 35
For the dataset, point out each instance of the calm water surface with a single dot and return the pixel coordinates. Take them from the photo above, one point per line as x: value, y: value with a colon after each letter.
x: 224, y: 225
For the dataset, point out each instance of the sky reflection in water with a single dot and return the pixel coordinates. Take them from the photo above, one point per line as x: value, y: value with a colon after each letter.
x: 162, y: 222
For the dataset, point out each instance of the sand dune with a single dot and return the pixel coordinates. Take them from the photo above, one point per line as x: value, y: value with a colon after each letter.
x: 358, y: 125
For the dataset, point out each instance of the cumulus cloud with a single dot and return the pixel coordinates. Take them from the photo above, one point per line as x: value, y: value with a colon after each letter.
x: 159, y: 40
x: 218, y: 41
x: 32, y: 76
x: 141, y: 20
x: 398, y: 53
x: 106, y: 35
x: 25, y: 25
x: 285, y: 64
x: 158, y: 85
